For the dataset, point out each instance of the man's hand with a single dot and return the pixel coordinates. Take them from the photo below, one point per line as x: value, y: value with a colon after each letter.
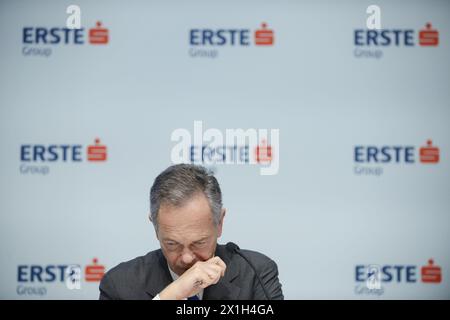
x: 201, y: 275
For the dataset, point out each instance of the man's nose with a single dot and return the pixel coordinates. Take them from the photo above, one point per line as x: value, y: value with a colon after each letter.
x: 187, y: 257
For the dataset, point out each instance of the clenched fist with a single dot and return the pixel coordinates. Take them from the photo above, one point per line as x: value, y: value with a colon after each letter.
x: 201, y: 275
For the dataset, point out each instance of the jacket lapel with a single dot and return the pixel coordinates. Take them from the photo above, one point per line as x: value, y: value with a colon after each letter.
x: 225, y: 289
x: 159, y: 276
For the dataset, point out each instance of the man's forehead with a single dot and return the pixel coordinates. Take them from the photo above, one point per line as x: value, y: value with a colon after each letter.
x: 190, y: 214
x: 185, y: 226
x: 185, y: 222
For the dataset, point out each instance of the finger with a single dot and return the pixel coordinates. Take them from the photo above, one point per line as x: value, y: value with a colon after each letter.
x: 218, y: 269
x: 213, y: 271
x: 217, y: 261
x: 206, y: 274
x: 205, y: 280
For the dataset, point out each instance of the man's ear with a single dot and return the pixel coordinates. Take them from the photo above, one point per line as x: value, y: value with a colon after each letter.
x: 219, y: 227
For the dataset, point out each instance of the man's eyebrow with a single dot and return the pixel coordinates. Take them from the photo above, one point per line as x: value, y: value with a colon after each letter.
x: 202, y: 239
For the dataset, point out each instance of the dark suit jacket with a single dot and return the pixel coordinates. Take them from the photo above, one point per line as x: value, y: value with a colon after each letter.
x: 145, y: 277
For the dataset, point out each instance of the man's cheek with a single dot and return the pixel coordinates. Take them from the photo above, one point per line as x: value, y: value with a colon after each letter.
x: 171, y: 259
x: 203, y: 256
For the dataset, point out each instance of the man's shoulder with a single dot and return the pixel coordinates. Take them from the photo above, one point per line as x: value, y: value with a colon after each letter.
x: 259, y: 260
x: 253, y: 272
x: 130, y: 279
x: 134, y: 267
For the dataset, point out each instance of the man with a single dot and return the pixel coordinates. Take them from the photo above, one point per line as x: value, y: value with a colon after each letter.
x: 186, y: 211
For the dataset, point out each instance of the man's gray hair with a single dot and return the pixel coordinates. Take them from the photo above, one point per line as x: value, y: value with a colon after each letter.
x: 179, y: 183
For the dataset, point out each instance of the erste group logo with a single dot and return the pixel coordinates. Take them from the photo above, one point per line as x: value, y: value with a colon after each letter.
x: 369, y: 43
x: 37, y: 158
x: 372, y: 279
x: 234, y: 153
x: 259, y: 147
x: 36, y: 279
x: 40, y: 41
x: 372, y: 159
x: 205, y: 42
